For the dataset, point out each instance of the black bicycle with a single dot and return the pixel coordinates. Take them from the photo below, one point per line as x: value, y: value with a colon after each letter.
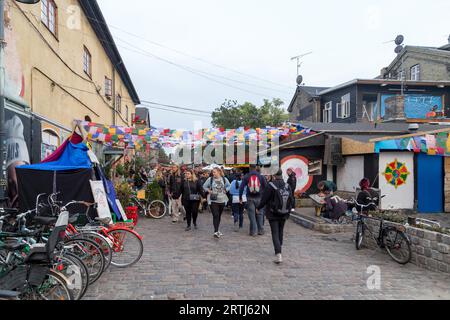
x: 391, y: 238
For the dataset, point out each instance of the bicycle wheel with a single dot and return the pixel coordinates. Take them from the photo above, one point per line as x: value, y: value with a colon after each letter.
x: 157, y: 209
x: 397, y: 245
x: 127, y: 248
x: 91, y: 255
x: 104, y: 243
x: 71, y: 270
x: 54, y: 287
x: 359, y: 235
x: 84, y: 272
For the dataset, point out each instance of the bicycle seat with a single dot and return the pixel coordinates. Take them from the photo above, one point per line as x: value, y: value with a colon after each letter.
x: 74, y: 218
x: 13, y: 246
x: 45, y: 221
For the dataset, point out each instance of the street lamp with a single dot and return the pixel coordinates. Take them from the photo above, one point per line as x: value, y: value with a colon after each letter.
x: 3, y: 181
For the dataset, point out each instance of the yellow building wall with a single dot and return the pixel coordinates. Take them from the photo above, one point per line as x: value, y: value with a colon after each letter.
x: 47, y: 71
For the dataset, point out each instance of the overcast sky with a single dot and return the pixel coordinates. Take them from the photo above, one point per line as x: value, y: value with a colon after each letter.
x: 258, y: 38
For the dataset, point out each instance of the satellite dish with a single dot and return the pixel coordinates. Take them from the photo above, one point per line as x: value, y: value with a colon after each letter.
x: 299, y: 80
x: 399, y: 40
x: 398, y: 49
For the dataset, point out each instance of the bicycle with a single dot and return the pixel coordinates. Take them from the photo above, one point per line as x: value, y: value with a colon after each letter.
x: 391, y: 238
x: 34, y: 276
x: 155, y: 209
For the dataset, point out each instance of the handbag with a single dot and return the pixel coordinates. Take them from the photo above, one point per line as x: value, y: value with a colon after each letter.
x: 193, y: 197
x: 214, y: 196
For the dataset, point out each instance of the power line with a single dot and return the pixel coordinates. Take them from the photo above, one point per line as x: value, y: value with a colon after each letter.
x: 191, y: 70
x: 197, y: 72
x: 179, y: 112
x: 189, y: 55
x: 143, y: 102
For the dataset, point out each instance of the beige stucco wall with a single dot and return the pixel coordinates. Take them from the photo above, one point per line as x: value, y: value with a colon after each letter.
x: 48, y: 71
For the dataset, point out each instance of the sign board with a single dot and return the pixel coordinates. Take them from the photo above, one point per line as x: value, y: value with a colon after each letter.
x: 315, y: 168
x: 93, y: 157
x: 99, y: 193
x: 122, y: 212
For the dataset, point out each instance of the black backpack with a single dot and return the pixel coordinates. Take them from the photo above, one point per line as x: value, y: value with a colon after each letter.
x: 282, y: 202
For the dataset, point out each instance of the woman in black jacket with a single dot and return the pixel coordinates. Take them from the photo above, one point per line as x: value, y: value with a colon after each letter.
x: 191, y: 191
x: 276, y: 221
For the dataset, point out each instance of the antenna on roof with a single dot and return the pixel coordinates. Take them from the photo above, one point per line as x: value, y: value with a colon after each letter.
x: 299, y: 63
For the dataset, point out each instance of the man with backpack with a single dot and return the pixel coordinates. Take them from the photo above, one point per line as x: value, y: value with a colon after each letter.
x: 278, y: 201
x: 255, y: 184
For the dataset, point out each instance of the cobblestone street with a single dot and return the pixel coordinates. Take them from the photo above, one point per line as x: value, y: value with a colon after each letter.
x: 192, y: 265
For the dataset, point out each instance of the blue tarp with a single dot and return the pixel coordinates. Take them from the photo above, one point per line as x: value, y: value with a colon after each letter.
x: 386, y: 145
x: 75, y: 156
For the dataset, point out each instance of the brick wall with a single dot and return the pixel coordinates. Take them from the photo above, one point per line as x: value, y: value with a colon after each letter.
x: 430, y: 250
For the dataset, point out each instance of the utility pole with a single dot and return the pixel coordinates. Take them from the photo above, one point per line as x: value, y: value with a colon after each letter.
x: 3, y: 181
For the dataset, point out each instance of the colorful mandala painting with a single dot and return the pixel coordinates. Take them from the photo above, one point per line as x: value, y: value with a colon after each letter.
x: 396, y: 173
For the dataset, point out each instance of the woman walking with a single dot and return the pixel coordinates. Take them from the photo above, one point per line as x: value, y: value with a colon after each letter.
x: 217, y: 187
x: 278, y: 202
x: 191, y: 190
x: 237, y: 207
x: 175, y: 182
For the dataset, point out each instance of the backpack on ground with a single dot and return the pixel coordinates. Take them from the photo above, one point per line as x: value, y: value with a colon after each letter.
x: 254, y: 185
x: 282, y: 202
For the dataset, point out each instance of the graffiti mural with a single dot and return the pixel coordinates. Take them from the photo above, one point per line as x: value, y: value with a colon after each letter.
x: 396, y: 173
x: 300, y: 166
x: 14, y: 79
x: 418, y: 106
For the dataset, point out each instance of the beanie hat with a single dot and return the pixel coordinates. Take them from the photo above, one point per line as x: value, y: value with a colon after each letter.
x: 16, y: 147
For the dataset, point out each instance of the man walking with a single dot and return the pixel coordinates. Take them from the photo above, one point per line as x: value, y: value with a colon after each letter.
x: 255, y: 184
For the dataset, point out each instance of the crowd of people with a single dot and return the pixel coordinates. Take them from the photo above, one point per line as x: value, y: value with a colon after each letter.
x: 188, y: 191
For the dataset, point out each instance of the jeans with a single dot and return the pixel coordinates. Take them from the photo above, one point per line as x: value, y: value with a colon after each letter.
x: 238, y: 213
x: 256, y: 219
x: 217, y: 209
x: 177, y: 209
x: 191, y: 208
x: 277, y: 227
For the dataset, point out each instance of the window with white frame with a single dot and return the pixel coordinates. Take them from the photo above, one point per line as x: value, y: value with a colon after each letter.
x: 49, y: 12
x: 328, y: 112
x: 401, y: 75
x: 119, y: 103
x: 343, y: 108
x: 108, y: 87
x: 415, y: 72
x: 87, y: 62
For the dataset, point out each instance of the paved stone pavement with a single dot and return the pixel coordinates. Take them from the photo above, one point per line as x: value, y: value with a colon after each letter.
x: 192, y: 265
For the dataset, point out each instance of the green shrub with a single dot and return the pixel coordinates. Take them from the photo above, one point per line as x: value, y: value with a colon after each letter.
x: 124, y: 192
x: 154, y: 191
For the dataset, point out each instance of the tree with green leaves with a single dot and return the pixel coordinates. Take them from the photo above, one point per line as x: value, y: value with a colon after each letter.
x: 233, y: 115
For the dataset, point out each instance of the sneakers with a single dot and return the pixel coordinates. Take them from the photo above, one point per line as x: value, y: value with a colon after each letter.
x: 216, y: 235
x: 187, y: 229
x: 195, y: 227
x: 278, y: 259
x: 220, y: 234
x: 261, y: 233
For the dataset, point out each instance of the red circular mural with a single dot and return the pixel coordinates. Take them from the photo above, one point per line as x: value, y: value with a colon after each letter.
x: 300, y: 166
